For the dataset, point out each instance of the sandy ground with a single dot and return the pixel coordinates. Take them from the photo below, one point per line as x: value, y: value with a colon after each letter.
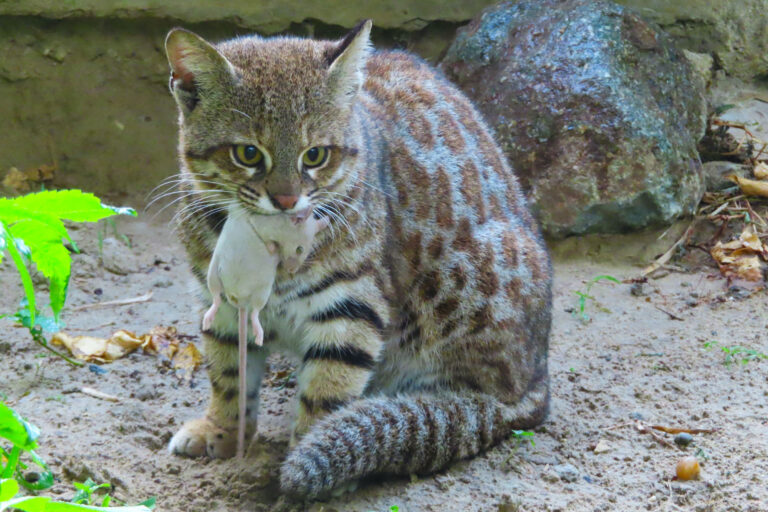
x: 630, y: 360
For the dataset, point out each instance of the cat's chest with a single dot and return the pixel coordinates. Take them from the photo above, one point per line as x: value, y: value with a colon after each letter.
x: 287, y: 317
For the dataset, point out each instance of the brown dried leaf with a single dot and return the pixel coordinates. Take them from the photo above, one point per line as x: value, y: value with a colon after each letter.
x: 750, y: 187
x: 99, y: 350
x: 188, y: 359
x: 163, y: 341
x: 740, y: 259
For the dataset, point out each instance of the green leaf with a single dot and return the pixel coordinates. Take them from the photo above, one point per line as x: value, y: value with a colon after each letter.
x: 11, y: 214
x: 50, y: 257
x: 8, y: 489
x: 74, y: 205
x: 13, y: 248
x: 26, y: 504
x: 149, y: 503
x: 18, y: 431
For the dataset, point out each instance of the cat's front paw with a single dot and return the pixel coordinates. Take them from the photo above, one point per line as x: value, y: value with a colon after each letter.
x: 203, y: 437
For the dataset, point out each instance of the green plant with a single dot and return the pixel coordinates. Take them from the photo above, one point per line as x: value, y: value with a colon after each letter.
x: 102, y: 233
x: 22, y: 436
x: 584, y: 295
x: 32, y: 230
x: 520, y: 435
x: 736, y: 353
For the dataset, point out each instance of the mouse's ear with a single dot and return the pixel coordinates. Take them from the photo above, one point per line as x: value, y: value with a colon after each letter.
x: 271, y: 247
x: 323, y: 222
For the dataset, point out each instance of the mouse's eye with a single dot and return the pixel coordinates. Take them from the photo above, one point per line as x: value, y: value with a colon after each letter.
x: 299, y: 250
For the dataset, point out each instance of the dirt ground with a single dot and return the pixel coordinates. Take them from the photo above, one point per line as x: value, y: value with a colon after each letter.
x: 629, y: 361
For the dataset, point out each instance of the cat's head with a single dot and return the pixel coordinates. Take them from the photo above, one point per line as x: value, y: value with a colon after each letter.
x: 264, y: 122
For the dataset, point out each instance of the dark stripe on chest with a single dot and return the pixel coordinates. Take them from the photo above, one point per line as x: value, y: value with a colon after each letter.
x: 351, y: 309
x: 347, y: 354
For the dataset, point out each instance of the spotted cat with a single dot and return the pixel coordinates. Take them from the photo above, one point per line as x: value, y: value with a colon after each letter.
x: 420, y: 320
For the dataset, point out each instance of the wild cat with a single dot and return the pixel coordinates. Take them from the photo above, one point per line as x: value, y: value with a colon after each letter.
x: 420, y: 322
x: 243, y: 269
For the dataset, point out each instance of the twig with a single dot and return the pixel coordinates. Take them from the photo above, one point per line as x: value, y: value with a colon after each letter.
x: 37, y: 336
x: 673, y: 430
x: 644, y: 428
x: 740, y: 126
x: 123, y: 302
x: 671, y: 315
x: 664, y: 258
x: 98, y: 394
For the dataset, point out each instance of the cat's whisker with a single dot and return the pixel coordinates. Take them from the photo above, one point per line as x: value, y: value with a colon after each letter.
x: 186, y: 212
x: 186, y: 195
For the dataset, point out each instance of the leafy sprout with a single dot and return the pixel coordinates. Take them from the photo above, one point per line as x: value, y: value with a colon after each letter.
x: 584, y: 295
x: 22, y: 437
x: 32, y: 230
x: 736, y: 353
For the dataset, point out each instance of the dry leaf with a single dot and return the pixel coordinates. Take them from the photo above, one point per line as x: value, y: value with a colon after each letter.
x: 761, y: 170
x: 188, y: 359
x: 740, y: 259
x: 29, y: 179
x: 162, y: 341
x: 15, y: 180
x: 750, y: 187
x: 99, y: 350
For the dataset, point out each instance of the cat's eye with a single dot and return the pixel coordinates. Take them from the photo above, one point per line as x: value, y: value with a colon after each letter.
x: 315, y: 157
x: 247, y: 155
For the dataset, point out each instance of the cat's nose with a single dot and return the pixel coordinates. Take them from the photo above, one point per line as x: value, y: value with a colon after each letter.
x: 285, y: 202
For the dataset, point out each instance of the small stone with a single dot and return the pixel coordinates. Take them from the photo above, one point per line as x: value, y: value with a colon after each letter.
x: 551, y: 477
x: 715, y: 174
x: 603, y: 446
x: 173, y: 469
x: 117, y: 258
x: 166, y: 283
x: 567, y: 472
x: 444, y: 482
x: 98, y: 370
x: 145, y: 392
x: 683, y: 439
x: 637, y: 416
x: 639, y: 289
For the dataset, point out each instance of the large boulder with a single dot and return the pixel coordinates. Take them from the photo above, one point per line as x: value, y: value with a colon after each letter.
x: 597, y: 111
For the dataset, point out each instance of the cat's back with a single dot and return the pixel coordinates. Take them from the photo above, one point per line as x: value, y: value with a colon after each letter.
x: 453, y: 186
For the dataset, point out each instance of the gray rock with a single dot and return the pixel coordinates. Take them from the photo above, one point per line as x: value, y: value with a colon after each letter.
x: 117, y: 258
x: 715, y: 174
x: 596, y: 109
x: 567, y: 472
x: 683, y: 439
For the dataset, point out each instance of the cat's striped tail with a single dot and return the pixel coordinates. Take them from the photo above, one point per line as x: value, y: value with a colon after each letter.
x: 402, y: 435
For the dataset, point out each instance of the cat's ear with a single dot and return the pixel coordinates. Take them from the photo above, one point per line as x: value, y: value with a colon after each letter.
x: 346, y: 61
x: 196, y: 66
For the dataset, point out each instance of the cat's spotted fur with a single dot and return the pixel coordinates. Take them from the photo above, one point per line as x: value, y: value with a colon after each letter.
x: 421, y: 320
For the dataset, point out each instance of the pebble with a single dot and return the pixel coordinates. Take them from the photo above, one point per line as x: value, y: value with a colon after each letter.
x: 567, y: 472
x: 116, y: 257
x: 683, y: 439
x: 638, y: 416
x: 98, y: 370
x: 639, y: 289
